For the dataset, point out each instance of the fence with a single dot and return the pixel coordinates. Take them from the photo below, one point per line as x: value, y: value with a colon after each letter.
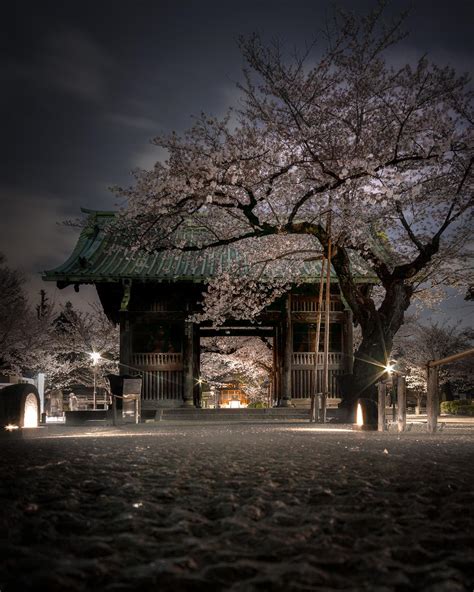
x: 432, y: 371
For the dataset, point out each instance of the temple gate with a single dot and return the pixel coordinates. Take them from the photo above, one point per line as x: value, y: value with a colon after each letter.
x: 153, y: 295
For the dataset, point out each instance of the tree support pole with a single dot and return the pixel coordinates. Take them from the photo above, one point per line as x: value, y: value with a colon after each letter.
x: 381, y: 389
x: 287, y: 355
x: 314, y: 397
x: 402, y: 403
x: 327, y: 320
x: 432, y: 403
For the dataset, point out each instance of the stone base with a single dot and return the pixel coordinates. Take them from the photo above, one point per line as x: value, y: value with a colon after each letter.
x: 188, y: 403
x: 77, y: 418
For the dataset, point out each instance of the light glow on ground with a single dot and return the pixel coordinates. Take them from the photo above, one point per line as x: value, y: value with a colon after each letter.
x: 321, y: 429
x: 106, y: 435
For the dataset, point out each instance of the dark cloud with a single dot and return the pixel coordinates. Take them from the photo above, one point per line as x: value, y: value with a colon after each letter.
x: 86, y: 85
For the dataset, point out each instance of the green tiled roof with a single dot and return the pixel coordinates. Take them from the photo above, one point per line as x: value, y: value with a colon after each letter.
x: 97, y: 259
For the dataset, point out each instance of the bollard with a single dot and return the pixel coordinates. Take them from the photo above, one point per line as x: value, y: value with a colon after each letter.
x: 381, y: 406
x: 323, y: 407
x: 432, y: 402
x: 312, y: 412
x: 402, y: 403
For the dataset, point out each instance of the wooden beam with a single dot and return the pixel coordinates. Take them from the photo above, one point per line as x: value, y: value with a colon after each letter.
x: 453, y: 358
x: 238, y: 332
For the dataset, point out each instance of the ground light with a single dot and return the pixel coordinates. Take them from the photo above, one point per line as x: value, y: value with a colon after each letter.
x: 366, y: 415
x: 359, y: 416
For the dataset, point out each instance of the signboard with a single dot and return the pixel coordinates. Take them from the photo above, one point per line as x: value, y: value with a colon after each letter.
x: 132, y: 386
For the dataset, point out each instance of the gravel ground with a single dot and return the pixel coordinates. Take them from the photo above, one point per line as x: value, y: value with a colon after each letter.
x: 236, y: 507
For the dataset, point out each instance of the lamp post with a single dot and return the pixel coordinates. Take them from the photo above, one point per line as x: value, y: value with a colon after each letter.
x: 398, y: 389
x: 95, y: 357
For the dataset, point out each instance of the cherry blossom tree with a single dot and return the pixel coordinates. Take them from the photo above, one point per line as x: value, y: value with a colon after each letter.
x: 246, y: 360
x: 417, y: 343
x: 335, y: 150
x: 23, y: 332
x: 74, y: 336
x: 55, y: 342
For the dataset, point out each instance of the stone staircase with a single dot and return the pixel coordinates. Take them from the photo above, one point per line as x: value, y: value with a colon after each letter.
x: 276, y: 414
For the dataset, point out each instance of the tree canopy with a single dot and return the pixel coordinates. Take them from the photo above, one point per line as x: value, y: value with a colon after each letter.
x: 334, y: 147
x: 52, y: 340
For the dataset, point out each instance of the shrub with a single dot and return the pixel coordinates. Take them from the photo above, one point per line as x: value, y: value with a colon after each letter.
x: 461, y: 407
x: 257, y: 405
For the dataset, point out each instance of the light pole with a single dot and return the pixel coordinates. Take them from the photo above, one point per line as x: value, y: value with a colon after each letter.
x: 95, y: 357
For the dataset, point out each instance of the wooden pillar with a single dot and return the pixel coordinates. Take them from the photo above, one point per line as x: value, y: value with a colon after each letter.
x: 348, y: 342
x: 402, y: 403
x: 381, y: 389
x: 125, y: 343
x: 188, y: 364
x: 197, y: 367
x: 432, y: 403
x: 276, y: 365
x: 287, y: 355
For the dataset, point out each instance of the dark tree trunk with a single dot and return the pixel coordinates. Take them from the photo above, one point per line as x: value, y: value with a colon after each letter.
x: 378, y: 329
x: 369, y: 368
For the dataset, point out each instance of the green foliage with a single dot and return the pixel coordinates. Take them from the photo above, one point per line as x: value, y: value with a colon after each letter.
x: 257, y: 405
x: 461, y: 407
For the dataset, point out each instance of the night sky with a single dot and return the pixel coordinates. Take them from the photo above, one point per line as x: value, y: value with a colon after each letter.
x: 86, y: 85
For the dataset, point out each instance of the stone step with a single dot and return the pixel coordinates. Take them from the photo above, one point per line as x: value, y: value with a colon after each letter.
x: 193, y: 414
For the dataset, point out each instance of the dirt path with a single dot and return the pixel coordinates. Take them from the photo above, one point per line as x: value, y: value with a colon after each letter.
x: 237, y: 507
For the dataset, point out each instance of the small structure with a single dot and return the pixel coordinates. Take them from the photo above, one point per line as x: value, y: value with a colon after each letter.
x: 152, y: 296
x: 54, y: 403
x: 232, y: 397
x: 131, y: 393
x: 73, y: 402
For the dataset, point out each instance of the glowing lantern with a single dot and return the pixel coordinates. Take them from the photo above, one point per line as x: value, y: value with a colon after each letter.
x: 30, y: 416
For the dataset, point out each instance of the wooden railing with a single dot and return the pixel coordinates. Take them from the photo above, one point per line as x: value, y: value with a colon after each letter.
x: 171, y: 361
x: 309, y: 305
x: 161, y: 385
x: 161, y: 374
x: 302, y: 383
x: 432, y: 370
x: 335, y: 359
x: 155, y: 306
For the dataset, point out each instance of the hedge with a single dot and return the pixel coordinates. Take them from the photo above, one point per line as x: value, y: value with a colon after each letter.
x: 461, y: 407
